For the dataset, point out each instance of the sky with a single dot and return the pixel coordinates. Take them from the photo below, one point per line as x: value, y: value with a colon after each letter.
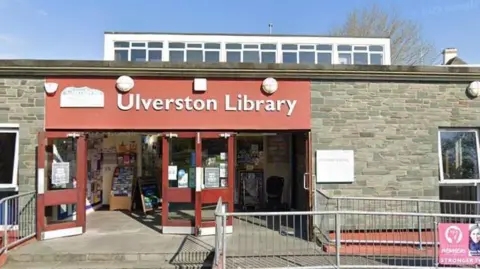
x: 69, y: 29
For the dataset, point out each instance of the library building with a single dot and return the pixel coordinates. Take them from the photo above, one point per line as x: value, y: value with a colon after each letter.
x: 172, y: 148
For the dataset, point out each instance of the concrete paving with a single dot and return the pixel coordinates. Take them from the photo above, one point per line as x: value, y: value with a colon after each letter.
x: 114, y: 238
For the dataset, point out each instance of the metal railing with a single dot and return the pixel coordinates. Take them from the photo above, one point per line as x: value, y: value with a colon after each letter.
x: 17, y: 219
x: 281, y: 240
x: 323, y: 224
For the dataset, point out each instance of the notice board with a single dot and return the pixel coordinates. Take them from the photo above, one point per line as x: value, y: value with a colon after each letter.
x: 335, y: 166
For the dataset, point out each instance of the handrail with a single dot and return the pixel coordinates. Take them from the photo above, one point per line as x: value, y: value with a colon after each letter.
x: 393, y: 199
x: 18, y: 219
x: 16, y: 195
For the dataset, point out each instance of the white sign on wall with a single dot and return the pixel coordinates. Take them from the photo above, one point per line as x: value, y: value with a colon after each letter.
x: 335, y: 166
x: 81, y: 97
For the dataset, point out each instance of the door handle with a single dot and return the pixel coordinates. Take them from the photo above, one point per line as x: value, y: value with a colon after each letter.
x: 305, y: 186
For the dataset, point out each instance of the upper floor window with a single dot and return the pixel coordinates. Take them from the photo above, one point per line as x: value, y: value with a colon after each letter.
x: 348, y: 54
x: 307, y: 53
x: 138, y: 51
x: 251, y: 53
x: 458, y: 153
x: 194, y: 52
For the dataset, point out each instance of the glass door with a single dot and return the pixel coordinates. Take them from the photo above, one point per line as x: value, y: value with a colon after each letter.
x: 61, y: 184
x: 180, y: 161
x: 218, y: 171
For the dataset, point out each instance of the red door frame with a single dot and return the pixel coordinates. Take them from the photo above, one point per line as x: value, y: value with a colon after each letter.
x: 176, y: 195
x: 210, y: 196
x: 189, y: 195
x: 47, y: 197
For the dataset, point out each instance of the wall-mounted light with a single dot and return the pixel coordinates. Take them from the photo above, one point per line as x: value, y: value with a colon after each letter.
x: 200, y: 85
x: 269, y: 85
x: 473, y: 89
x: 50, y: 87
x: 124, y: 84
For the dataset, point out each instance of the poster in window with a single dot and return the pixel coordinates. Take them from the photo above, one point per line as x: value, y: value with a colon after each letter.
x: 60, y: 173
x: 212, y: 177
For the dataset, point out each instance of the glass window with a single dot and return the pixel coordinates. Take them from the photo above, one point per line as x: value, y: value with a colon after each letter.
x: 138, y: 45
x: 459, y: 154
x: 177, y: 56
x: 8, y: 156
x: 345, y: 58
x: 251, y: 57
x: 376, y: 48
x: 362, y: 48
x: 121, y: 55
x: 155, y: 56
x: 139, y: 55
x: 195, y: 46
x: 250, y: 46
x: 360, y: 58
x: 268, y: 57
x: 324, y: 58
x: 344, y: 48
x: 176, y: 45
x: 307, y: 57
x: 156, y: 45
x: 212, y: 56
x: 289, y: 47
x: 195, y: 56
x: 376, y: 58
x: 268, y: 47
x: 324, y: 47
x: 121, y: 44
x: 289, y: 58
x: 212, y: 46
x: 233, y: 56
x: 233, y: 46
x: 307, y: 47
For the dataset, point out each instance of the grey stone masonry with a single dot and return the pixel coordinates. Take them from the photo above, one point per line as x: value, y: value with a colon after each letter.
x: 393, y: 129
x: 22, y: 102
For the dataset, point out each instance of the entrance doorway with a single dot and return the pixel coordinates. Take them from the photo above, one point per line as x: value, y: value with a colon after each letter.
x: 190, y: 170
x: 198, y: 170
x: 61, y: 174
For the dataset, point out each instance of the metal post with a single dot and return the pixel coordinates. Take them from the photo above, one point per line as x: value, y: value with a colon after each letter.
x: 5, y: 220
x: 337, y: 239
x: 435, y: 241
x: 224, y: 244
x: 217, y: 237
x: 419, y: 226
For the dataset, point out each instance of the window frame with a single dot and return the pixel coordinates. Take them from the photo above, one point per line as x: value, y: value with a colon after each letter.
x: 12, y: 128
x: 442, y: 180
x: 360, y: 49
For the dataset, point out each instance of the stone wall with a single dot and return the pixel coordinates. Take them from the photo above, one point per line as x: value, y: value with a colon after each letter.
x: 22, y: 102
x: 393, y: 129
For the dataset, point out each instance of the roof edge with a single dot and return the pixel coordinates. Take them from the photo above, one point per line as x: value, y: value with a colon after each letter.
x: 44, y: 68
x: 236, y: 34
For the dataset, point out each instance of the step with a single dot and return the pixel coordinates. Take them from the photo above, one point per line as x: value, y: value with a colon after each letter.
x: 196, y: 257
x: 102, y: 265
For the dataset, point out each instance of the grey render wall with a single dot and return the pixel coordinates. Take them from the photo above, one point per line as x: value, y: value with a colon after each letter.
x: 22, y: 102
x: 393, y: 128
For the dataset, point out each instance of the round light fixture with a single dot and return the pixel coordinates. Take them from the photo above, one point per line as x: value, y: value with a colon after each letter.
x: 269, y: 85
x: 474, y: 89
x: 125, y: 84
x: 51, y: 87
